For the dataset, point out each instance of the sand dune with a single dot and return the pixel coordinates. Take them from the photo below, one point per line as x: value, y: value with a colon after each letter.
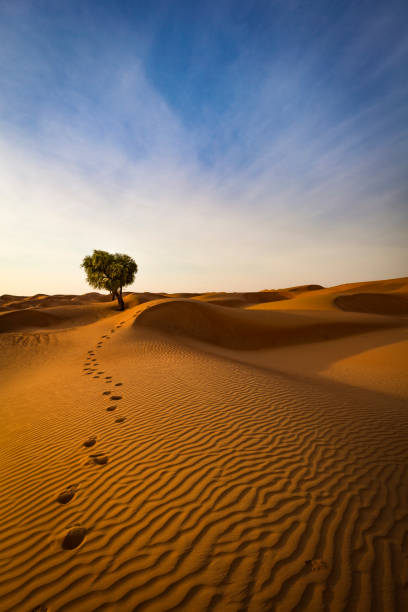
x: 250, y: 329
x: 302, y: 288
x: 148, y: 464
x: 381, y: 368
x: 62, y: 311
x: 379, y: 303
x: 51, y: 317
x: 387, y: 297
x: 242, y: 299
x: 41, y: 300
x: 383, y: 286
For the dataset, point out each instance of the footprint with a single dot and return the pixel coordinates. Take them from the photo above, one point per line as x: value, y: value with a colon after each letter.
x: 118, y: 384
x: 90, y: 441
x: 106, y: 392
x: 40, y: 609
x: 108, y: 381
x: 65, y: 496
x: 316, y: 564
x: 114, y: 398
x: 100, y: 459
x: 96, y: 376
x: 111, y: 408
x: 73, y: 538
x: 100, y: 372
x: 107, y: 377
x: 120, y: 419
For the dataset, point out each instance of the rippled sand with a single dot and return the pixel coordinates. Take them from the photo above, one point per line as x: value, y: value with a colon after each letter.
x: 187, y: 455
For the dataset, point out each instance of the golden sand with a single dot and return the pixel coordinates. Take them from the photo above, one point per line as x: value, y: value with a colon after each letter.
x: 205, y: 452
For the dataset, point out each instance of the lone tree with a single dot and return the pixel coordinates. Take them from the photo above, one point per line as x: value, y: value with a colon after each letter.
x: 111, y: 272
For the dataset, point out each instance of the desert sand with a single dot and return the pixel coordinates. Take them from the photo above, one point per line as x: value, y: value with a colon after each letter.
x: 218, y: 451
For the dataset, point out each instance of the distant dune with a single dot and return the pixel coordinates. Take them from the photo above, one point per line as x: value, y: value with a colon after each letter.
x: 303, y: 288
x: 241, y: 299
x: 40, y: 300
x: 217, y: 451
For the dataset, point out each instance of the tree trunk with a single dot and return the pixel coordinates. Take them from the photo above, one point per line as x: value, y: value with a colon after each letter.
x: 120, y: 299
x: 112, y: 296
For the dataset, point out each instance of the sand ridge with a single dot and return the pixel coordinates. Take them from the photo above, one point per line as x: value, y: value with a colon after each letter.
x: 146, y: 470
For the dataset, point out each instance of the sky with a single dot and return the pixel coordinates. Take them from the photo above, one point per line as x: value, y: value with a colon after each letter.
x: 224, y: 145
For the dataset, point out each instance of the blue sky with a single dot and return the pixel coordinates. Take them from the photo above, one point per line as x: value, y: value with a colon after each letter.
x: 225, y: 145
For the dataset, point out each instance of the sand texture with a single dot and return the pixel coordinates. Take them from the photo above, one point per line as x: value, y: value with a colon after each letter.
x: 214, y: 452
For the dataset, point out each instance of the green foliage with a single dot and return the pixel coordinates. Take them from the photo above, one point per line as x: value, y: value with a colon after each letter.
x: 110, y: 271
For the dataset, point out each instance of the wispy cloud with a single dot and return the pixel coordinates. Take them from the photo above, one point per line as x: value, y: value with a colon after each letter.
x: 286, y: 178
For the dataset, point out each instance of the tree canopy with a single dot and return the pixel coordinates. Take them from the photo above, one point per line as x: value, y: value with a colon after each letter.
x: 110, y: 271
